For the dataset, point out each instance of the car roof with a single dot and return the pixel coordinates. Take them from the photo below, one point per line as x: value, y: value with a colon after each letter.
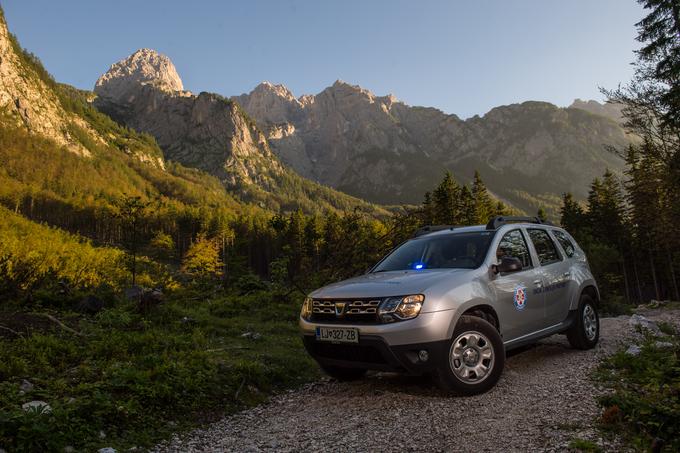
x: 476, y: 228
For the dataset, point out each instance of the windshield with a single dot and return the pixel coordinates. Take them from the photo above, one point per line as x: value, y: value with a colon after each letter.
x: 447, y: 251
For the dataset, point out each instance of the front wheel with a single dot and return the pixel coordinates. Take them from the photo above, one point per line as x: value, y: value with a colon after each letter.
x: 585, y: 331
x: 475, y: 359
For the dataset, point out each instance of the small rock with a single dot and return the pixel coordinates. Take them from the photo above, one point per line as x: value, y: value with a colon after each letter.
x: 663, y: 344
x: 26, y: 386
x: 107, y: 450
x: 252, y: 335
x: 187, y: 320
x: 644, y: 323
x: 656, y: 303
x: 39, y: 406
x: 633, y: 350
x: 102, y: 435
x: 134, y: 293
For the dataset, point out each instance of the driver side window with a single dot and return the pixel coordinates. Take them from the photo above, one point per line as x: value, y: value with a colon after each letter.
x: 513, y: 244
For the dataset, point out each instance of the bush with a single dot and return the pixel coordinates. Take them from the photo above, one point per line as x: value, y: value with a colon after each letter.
x: 643, y: 402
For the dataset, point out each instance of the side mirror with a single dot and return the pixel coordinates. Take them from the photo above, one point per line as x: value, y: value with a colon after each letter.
x: 508, y: 264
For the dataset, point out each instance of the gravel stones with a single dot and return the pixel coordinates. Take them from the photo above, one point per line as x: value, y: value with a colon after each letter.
x: 544, y: 399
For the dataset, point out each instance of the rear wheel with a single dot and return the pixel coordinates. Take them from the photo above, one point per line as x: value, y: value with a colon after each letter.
x: 475, y: 360
x: 344, y: 374
x: 585, y: 331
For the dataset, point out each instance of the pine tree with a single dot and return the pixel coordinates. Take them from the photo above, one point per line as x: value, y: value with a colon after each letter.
x: 428, y: 210
x: 572, y: 218
x: 541, y: 214
x: 659, y: 57
x: 446, y: 201
x: 484, y: 207
x: 131, y: 212
x: 466, y: 206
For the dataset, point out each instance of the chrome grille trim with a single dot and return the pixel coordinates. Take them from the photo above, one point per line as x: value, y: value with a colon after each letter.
x: 352, y: 307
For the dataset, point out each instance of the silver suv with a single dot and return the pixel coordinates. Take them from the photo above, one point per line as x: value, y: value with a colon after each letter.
x: 452, y: 300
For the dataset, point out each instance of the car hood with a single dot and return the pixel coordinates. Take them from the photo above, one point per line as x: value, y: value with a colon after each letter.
x: 386, y: 284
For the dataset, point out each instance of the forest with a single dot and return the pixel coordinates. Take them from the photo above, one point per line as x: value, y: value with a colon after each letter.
x: 128, y: 290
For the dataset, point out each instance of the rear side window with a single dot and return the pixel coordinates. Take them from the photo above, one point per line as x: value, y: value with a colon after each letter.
x: 564, y: 241
x: 545, y: 247
x: 513, y: 244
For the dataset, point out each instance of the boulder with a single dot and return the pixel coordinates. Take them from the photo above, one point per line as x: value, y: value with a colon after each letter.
x: 38, y: 406
x: 644, y: 324
x: 633, y: 350
x: 26, y: 386
x: 90, y: 304
x: 134, y: 292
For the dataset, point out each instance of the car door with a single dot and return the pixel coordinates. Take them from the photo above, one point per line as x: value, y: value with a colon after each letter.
x: 521, y: 312
x: 553, y: 270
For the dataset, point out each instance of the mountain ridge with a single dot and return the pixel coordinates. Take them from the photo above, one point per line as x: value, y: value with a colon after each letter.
x: 381, y: 149
x: 208, y: 132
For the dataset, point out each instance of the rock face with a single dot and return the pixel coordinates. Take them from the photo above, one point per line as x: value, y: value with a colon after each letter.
x: 612, y: 111
x: 212, y: 133
x: 381, y: 149
x: 28, y: 101
x: 144, y: 67
x: 206, y: 131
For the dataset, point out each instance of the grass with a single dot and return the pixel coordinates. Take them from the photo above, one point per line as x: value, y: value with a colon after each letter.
x: 137, y: 378
x: 584, y: 445
x: 643, y: 402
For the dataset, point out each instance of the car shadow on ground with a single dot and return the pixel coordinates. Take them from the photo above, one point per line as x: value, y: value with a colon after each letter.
x: 380, y: 383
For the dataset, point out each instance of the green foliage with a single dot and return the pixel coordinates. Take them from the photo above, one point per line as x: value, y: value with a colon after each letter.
x: 584, y: 445
x: 202, y: 260
x: 642, y: 403
x: 659, y: 58
x: 130, y: 375
x: 34, y: 255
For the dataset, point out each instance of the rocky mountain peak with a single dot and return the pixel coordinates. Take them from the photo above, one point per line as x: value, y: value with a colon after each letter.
x: 607, y: 109
x: 268, y: 88
x: 144, y: 67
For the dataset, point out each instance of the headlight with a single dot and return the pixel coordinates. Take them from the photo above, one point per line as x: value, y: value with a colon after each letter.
x: 306, y: 311
x: 400, y: 308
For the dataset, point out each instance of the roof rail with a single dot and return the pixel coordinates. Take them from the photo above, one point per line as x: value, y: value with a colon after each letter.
x: 431, y: 229
x: 499, y: 221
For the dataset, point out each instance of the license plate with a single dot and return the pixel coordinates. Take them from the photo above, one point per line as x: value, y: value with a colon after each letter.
x: 337, y: 334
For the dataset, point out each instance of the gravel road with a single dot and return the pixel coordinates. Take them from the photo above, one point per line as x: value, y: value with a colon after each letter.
x: 543, y: 400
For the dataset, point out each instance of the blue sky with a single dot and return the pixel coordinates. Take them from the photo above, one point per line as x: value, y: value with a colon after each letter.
x: 464, y: 57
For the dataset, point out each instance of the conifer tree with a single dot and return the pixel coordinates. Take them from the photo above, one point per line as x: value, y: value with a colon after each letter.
x: 484, y: 207
x: 466, y: 206
x: 446, y: 203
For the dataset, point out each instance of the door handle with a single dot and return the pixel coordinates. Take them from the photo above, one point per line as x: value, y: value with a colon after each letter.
x: 566, y: 275
x: 538, y: 283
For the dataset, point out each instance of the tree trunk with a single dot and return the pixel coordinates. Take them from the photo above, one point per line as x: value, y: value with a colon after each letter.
x: 652, y: 268
x: 672, y: 269
x: 637, y: 281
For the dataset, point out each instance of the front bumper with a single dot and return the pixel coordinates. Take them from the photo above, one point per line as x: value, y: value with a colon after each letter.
x: 390, y: 347
x: 372, y: 353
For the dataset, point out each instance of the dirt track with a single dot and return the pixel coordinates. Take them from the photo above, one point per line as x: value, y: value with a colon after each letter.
x: 543, y: 400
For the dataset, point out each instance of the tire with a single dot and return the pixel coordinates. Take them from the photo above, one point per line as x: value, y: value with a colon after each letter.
x: 585, y: 331
x: 344, y: 374
x: 476, y: 347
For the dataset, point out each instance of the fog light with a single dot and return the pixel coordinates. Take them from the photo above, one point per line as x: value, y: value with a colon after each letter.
x: 423, y: 355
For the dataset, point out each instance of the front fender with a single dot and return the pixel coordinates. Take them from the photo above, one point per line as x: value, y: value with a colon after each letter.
x: 462, y: 308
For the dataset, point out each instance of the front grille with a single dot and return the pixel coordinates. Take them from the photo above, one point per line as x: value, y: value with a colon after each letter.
x: 348, y: 352
x: 353, y: 311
